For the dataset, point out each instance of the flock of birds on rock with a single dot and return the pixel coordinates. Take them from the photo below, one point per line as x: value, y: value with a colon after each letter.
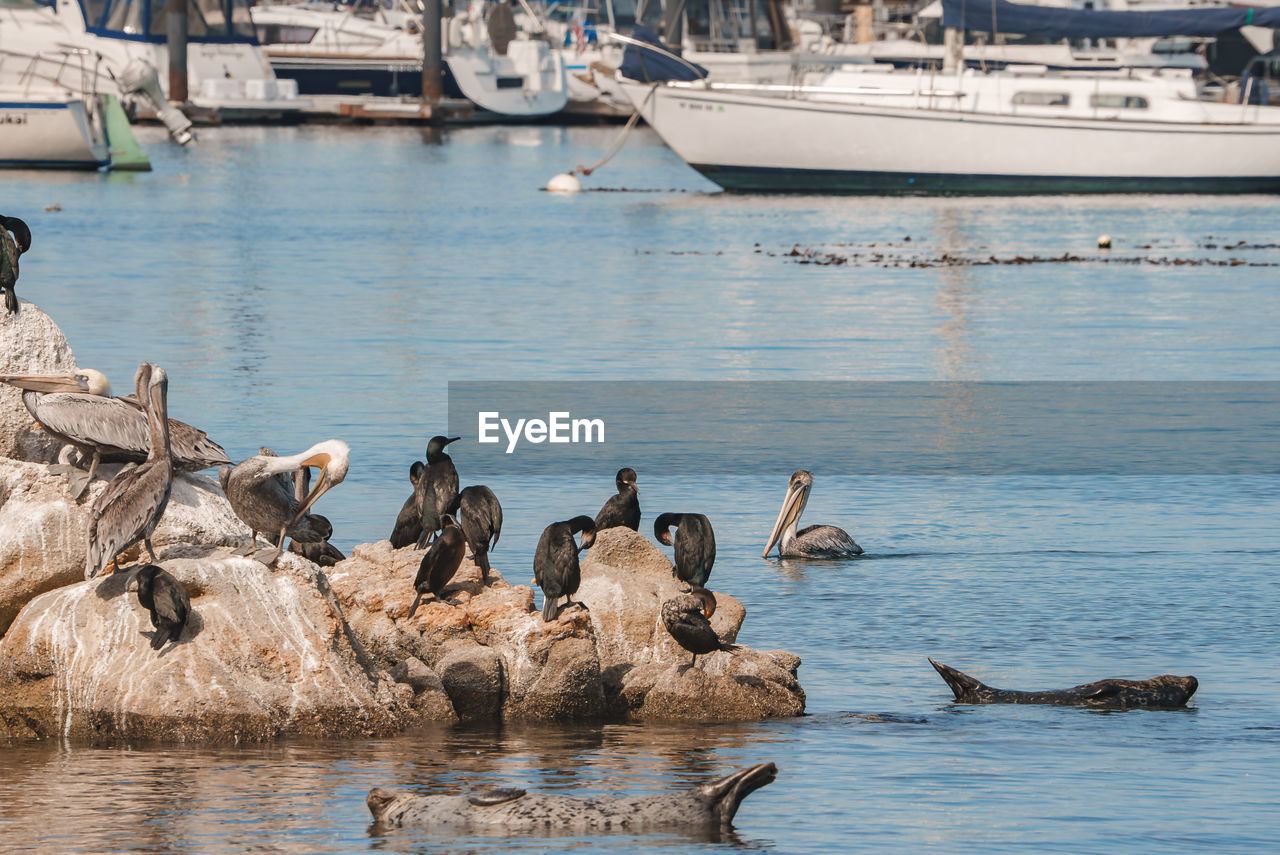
x: 273, y: 495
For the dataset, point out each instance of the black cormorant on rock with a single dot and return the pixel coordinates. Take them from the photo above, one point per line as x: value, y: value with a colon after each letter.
x: 166, y: 599
x: 688, y: 618
x: 440, y: 563
x: 440, y: 488
x: 623, y: 508
x: 409, y: 522
x: 11, y: 247
x: 481, y: 520
x: 695, y: 544
x: 555, y: 564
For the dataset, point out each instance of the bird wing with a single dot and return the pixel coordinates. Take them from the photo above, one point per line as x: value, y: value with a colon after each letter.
x: 94, y: 420
x: 827, y: 537
x: 174, y: 606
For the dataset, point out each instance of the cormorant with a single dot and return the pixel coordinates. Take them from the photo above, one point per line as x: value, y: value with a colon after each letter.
x: 687, y: 618
x: 409, y: 522
x: 11, y: 247
x: 623, y: 508
x: 481, y: 518
x: 166, y: 599
x: 695, y: 544
x: 555, y: 564
x: 441, y: 562
x: 440, y: 489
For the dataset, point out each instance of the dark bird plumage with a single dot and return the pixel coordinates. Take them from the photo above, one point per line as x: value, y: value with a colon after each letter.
x: 555, y: 564
x: 695, y: 546
x: 15, y: 239
x: 167, y: 601
x: 688, y: 618
x: 263, y: 493
x: 321, y: 552
x: 130, y: 507
x: 623, y: 508
x: 440, y: 563
x: 481, y: 520
x: 408, y: 525
x: 815, y: 541
x: 440, y: 487
x: 79, y: 410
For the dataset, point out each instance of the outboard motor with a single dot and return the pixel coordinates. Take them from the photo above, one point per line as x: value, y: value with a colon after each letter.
x: 141, y: 77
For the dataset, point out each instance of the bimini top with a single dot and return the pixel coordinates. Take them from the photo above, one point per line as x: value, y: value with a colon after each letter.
x: 648, y: 60
x: 144, y: 20
x: 1055, y: 23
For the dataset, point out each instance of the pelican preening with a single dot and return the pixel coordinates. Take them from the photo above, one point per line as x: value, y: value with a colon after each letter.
x: 624, y: 507
x: 409, y: 522
x: 319, y: 552
x: 815, y: 541
x: 79, y: 410
x: 695, y: 546
x: 167, y: 601
x: 440, y: 563
x: 688, y: 618
x: 555, y: 565
x: 11, y: 247
x: 439, y: 489
x: 268, y: 504
x: 481, y: 523
x: 128, y: 510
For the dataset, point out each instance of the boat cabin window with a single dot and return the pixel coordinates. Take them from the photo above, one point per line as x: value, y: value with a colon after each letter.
x: 1119, y: 102
x: 207, y: 20
x: 285, y: 34
x: 1041, y: 99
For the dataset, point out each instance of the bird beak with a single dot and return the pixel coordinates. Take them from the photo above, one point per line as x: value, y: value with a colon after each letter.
x: 792, y: 505
x: 46, y: 383
x: 321, y: 462
x: 452, y: 439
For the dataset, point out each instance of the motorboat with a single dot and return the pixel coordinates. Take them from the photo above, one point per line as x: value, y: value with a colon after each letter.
x: 364, y: 50
x: 45, y: 123
x: 866, y: 128
x: 228, y: 75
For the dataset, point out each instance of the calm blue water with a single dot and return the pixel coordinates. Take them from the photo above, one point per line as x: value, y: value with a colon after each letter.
x: 306, y: 283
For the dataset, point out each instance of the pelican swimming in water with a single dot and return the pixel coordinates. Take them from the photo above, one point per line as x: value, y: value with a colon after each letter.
x: 815, y: 541
x: 481, y: 520
x: 267, y: 503
x: 129, y: 508
x: 441, y: 562
x: 623, y: 508
x: 695, y: 544
x: 11, y: 247
x: 439, y: 487
x: 555, y: 564
x: 79, y: 410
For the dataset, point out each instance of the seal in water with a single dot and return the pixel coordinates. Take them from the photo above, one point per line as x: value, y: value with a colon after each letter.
x: 712, y: 805
x: 1163, y: 692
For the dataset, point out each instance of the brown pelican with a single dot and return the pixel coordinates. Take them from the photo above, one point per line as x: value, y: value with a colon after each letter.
x: 555, y: 564
x: 79, y: 410
x: 267, y: 503
x: 816, y: 541
x: 688, y: 618
x: 440, y: 563
x: 167, y: 601
x: 481, y: 523
x: 440, y: 487
x: 695, y: 545
x: 409, y: 523
x: 12, y: 246
x: 129, y: 508
x: 622, y: 509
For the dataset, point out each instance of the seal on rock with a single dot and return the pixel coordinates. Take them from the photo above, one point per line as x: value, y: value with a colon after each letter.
x: 1163, y: 692
x: 712, y: 805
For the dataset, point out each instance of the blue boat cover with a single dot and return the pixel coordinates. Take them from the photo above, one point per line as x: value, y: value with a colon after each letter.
x: 1052, y: 23
x: 651, y: 66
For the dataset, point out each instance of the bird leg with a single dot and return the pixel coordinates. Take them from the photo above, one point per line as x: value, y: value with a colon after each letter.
x: 151, y: 551
x: 78, y: 481
x: 416, y: 600
x: 270, y: 556
x: 247, y: 550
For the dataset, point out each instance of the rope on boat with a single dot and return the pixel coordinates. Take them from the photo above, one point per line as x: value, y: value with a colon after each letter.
x: 616, y: 146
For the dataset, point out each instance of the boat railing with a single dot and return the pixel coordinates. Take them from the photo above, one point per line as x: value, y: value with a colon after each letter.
x: 67, y: 68
x: 787, y: 89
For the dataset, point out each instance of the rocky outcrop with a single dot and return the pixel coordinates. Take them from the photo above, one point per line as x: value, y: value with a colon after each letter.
x: 43, y: 530
x: 30, y: 343
x: 263, y: 654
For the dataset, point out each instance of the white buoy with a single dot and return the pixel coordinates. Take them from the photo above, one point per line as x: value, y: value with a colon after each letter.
x: 564, y: 183
x: 1104, y: 242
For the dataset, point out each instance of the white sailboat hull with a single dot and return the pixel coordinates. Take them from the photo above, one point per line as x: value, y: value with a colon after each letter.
x: 795, y: 144
x: 54, y: 133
